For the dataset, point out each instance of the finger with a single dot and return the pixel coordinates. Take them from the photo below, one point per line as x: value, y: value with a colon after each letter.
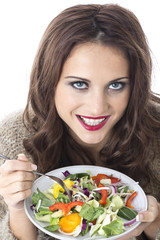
x: 15, y: 188
x: 16, y: 165
x: 19, y: 196
x: 16, y: 176
x: 16, y: 199
x: 151, y: 214
x: 22, y: 157
x: 18, y: 187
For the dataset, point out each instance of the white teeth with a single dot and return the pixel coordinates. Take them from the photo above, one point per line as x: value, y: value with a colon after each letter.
x: 92, y: 122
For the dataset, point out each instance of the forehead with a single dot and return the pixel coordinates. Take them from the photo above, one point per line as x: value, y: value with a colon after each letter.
x: 95, y: 58
x: 93, y: 46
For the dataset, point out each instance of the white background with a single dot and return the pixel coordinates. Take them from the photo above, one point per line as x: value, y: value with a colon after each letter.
x: 22, y: 23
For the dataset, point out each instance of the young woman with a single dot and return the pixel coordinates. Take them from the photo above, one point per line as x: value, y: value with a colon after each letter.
x: 89, y: 102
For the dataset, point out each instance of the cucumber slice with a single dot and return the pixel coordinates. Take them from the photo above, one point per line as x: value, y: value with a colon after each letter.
x: 127, y: 213
x: 45, y: 218
x: 118, y: 202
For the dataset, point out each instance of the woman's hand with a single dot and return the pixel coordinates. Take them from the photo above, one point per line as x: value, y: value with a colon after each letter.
x: 153, y: 217
x: 16, y: 180
x: 150, y: 221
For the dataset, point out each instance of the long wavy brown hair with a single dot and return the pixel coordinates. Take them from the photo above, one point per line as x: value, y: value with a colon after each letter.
x: 51, y: 146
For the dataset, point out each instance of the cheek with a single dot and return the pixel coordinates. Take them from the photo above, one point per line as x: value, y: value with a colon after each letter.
x: 120, y: 104
x: 65, y: 102
x: 61, y: 99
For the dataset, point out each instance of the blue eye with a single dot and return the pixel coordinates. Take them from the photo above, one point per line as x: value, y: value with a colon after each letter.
x: 79, y: 85
x: 117, y: 86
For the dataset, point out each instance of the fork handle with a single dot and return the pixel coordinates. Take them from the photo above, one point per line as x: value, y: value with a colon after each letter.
x: 41, y: 174
x: 4, y: 157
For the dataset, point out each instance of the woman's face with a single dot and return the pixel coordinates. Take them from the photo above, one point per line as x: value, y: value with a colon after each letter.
x: 93, y: 92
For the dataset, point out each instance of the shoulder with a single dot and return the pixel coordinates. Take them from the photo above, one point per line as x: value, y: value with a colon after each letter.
x: 155, y: 146
x: 12, y: 119
x: 12, y: 134
x: 153, y: 113
x: 154, y: 163
x: 156, y: 110
x: 11, y: 126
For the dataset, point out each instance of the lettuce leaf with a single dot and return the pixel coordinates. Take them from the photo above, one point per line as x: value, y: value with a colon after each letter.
x: 90, y: 213
x: 41, y: 196
x: 52, y: 228
x: 114, y: 228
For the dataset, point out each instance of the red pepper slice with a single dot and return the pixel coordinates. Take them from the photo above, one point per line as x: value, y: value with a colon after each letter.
x: 104, y: 176
x: 56, y: 206
x: 73, y: 204
x: 128, y: 203
x: 104, y: 195
x: 65, y: 207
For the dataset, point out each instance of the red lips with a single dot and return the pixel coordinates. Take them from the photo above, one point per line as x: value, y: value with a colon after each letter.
x: 93, y: 127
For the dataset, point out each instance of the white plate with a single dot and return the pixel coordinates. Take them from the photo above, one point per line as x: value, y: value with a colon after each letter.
x: 43, y: 183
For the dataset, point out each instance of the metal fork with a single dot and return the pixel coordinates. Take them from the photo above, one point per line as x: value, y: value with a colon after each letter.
x: 56, y: 179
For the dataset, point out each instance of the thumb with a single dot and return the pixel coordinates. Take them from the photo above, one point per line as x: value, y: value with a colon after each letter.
x: 151, y: 214
x: 146, y: 217
x: 22, y: 157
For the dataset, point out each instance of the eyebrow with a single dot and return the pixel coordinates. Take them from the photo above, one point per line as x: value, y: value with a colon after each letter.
x: 87, y: 80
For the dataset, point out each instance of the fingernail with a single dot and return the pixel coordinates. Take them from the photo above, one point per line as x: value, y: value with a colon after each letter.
x: 139, y: 217
x: 34, y: 167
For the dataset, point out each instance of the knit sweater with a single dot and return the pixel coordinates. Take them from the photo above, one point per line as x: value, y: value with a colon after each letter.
x: 12, y: 133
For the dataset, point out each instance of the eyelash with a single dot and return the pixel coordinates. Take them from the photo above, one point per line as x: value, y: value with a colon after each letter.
x: 79, y: 82
x: 120, y: 84
x: 84, y: 85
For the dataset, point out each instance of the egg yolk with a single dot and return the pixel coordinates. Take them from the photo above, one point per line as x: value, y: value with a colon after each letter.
x: 70, y: 222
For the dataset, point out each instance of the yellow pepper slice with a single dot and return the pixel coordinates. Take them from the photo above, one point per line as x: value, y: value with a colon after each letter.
x: 57, y: 188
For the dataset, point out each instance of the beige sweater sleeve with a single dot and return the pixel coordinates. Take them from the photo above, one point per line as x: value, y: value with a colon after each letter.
x: 12, y: 133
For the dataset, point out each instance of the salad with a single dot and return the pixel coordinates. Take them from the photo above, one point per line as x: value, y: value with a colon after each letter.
x: 101, y: 206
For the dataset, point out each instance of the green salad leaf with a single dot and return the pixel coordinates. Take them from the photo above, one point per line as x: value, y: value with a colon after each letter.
x: 45, y: 201
x: 52, y: 228
x: 114, y: 228
x: 90, y: 213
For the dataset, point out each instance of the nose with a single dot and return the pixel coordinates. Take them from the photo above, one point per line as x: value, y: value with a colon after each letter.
x: 98, y: 103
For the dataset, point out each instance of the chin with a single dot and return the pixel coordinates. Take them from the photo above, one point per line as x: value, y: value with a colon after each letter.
x: 91, y: 141
x: 87, y: 139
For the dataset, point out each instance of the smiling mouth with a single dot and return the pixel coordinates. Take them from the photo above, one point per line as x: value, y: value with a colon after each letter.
x: 91, y: 123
